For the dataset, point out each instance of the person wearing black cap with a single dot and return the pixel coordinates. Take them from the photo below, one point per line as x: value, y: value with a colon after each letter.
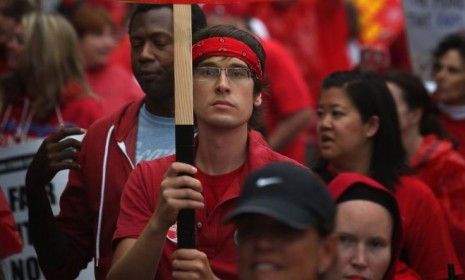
x: 284, y: 218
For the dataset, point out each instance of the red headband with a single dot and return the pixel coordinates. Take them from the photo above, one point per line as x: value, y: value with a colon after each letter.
x: 227, y: 46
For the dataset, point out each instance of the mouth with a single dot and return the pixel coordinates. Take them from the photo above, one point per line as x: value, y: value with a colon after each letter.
x: 355, y: 277
x: 150, y: 75
x: 222, y: 103
x: 326, y: 139
x: 265, y: 267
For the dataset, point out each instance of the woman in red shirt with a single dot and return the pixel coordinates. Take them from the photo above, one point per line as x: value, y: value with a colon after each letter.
x: 48, y: 88
x: 358, y: 131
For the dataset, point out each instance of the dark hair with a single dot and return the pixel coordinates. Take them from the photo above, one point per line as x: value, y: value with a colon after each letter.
x: 371, y: 97
x: 16, y: 9
x: 416, y: 96
x: 363, y: 191
x: 224, y: 30
x: 198, y: 19
x: 450, y: 42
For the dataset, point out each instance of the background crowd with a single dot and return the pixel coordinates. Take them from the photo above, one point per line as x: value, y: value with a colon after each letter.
x: 104, y: 68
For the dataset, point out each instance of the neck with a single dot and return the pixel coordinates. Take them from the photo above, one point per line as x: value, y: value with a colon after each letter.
x: 358, y: 162
x: 221, y: 151
x: 411, y: 140
x: 162, y: 107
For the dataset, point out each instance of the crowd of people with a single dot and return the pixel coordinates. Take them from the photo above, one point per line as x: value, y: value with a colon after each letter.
x: 305, y: 167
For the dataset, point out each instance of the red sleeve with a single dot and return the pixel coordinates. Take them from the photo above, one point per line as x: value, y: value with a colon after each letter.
x: 10, y: 241
x: 82, y: 112
x: 452, y: 199
x: 137, y: 201
x: 427, y: 244
x: 287, y: 86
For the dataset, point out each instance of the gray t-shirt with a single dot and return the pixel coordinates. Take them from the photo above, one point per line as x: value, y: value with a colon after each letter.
x: 155, y: 136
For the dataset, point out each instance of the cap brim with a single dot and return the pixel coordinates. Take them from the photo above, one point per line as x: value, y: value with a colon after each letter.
x: 283, y: 211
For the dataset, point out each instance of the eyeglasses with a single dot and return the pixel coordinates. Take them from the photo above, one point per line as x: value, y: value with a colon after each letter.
x: 234, y: 74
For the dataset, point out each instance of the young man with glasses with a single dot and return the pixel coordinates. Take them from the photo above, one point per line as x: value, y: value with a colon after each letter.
x: 228, y: 78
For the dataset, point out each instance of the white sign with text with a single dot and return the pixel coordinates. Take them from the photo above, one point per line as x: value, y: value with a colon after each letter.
x: 14, y: 161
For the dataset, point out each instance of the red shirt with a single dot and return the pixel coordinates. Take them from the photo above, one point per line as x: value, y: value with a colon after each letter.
x: 140, y: 195
x: 74, y: 109
x: 287, y: 94
x: 314, y: 31
x: 114, y: 87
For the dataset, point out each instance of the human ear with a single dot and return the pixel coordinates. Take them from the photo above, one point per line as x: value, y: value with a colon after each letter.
x: 372, y: 126
x: 257, y: 100
x: 416, y: 115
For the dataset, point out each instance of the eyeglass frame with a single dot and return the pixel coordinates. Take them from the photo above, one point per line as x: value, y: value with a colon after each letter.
x: 220, y: 70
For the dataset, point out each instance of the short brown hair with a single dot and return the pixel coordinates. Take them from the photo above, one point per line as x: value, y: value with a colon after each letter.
x: 91, y: 20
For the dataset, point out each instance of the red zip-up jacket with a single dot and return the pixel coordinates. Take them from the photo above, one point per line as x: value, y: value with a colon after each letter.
x: 90, y: 202
x: 443, y: 169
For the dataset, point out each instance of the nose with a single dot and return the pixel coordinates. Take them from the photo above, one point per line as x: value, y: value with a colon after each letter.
x: 439, y: 75
x: 323, y: 121
x: 110, y: 41
x: 222, y: 83
x: 359, y: 258
x: 264, y: 242
x: 146, y: 53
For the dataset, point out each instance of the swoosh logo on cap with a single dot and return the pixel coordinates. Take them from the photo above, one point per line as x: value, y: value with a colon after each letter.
x: 263, y: 182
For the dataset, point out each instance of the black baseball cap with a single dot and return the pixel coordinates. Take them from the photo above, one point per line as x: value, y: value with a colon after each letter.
x: 288, y: 193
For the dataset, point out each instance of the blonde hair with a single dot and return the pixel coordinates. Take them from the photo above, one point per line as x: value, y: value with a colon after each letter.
x: 50, y: 60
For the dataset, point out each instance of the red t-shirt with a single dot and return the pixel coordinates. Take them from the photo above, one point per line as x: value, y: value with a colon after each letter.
x: 214, y: 238
x: 287, y: 94
x: 138, y: 203
x: 74, y: 109
x: 314, y: 31
x: 114, y: 87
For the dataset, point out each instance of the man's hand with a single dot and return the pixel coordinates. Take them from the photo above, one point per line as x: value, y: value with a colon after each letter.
x: 177, y: 192
x: 54, y: 155
x: 191, y: 264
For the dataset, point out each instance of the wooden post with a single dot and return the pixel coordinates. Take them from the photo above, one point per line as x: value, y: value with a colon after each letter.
x: 184, y: 116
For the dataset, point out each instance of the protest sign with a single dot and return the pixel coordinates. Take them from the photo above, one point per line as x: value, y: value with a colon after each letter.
x: 14, y: 161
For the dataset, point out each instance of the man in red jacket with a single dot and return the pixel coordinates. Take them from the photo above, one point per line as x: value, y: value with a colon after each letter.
x: 111, y: 148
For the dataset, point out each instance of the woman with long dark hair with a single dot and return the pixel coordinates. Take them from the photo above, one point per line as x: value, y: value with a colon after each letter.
x: 358, y: 131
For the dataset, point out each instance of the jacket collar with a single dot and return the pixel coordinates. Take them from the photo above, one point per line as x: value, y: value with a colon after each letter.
x: 126, y: 119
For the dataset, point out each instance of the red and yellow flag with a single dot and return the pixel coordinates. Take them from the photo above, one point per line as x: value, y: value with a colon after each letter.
x: 380, y: 20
